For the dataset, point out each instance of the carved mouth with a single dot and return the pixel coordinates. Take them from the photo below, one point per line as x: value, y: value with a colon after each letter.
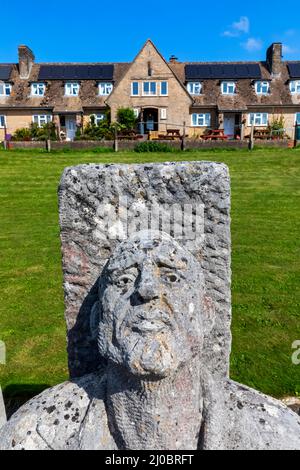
x: 147, y: 326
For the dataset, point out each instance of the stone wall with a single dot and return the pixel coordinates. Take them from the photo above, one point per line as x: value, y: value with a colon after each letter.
x: 130, y: 145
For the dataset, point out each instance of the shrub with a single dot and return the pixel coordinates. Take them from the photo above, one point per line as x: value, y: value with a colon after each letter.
x: 103, y: 131
x: 276, y: 127
x: 34, y: 132
x: 126, y: 118
x: 151, y: 146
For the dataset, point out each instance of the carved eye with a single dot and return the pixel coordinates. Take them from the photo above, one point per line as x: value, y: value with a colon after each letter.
x: 125, y: 280
x: 171, y: 277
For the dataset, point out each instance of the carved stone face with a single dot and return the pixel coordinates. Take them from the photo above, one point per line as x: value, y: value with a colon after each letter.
x: 152, y: 302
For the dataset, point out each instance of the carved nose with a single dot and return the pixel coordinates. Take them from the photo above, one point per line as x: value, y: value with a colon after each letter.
x: 148, y: 287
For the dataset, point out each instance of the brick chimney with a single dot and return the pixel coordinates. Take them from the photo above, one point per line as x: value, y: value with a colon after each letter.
x: 26, y: 61
x: 274, y: 58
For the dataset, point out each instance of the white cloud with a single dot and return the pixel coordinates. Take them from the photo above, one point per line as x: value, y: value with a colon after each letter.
x: 238, y: 27
x: 252, y: 45
x: 243, y: 25
x: 288, y: 50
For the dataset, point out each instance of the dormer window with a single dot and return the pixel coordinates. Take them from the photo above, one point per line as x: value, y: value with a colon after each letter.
x: 5, y: 89
x: 194, y: 88
x: 228, y: 88
x: 38, y: 89
x: 262, y: 88
x: 72, y: 89
x: 295, y: 87
x: 105, y: 88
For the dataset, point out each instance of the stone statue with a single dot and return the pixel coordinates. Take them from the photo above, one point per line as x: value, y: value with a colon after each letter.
x: 155, y: 391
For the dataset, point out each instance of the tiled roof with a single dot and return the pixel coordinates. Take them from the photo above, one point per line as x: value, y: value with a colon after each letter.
x: 88, y: 96
x: 54, y: 97
x: 246, y: 96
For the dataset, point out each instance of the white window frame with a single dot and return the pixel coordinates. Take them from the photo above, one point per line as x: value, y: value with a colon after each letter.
x: 259, y: 87
x: 225, y: 88
x: 138, y: 89
x: 6, y: 89
x: 38, y: 89
x: 194, y: 88
x: 99, y: 117
x: 105, y: 88
x: 72, y: 89
x: 2, y: 121
x: 297, y: 119
x: 163, y: 113
x: 201, y: 119
x: 295, y: 87
x: 149, y: 93
x: 167, y: 88
x: 39, y: 118
x: 259, y: 119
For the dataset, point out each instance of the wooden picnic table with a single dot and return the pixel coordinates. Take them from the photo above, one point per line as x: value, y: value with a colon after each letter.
x: 261, y: 134
x: 215, y: 134
x: 171, y: 134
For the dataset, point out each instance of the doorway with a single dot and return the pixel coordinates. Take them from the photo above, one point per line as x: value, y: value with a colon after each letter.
x: 229, y: 125
x: 150, y: 118
x: 71, y: 127
x: 232, y: 125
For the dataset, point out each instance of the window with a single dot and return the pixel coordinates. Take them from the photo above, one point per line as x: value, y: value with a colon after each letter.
x: 72, y: 89
x: 135, y: 89
x: 163, y: 113
x: 194, y: 88
x: 98, y: 118
x: 295, y: 87
x: 258, y: 119
x: 105, y: 89
x: 2, y: 122
x: 228, y: 88
x: 262, y: 88
x: 149, y: 89
x: 38, y: 89
x: 164, y: 88
x: 5, y: 89
x: 41, y: 119
x: 201, y: 120
x: 297, y: 119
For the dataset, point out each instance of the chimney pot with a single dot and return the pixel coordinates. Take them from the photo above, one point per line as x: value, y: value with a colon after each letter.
x: 173, y: 59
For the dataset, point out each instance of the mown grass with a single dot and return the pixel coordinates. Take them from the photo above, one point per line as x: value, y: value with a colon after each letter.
x: 265, y: 264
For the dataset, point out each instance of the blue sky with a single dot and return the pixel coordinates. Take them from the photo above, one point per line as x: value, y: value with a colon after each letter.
x: 91, y: 30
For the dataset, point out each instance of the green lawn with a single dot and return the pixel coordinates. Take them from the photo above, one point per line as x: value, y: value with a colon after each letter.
x: 265, y: 264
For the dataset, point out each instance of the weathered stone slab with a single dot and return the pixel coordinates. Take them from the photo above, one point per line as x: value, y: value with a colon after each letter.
x: 2, y: 410
x: 91, y: 194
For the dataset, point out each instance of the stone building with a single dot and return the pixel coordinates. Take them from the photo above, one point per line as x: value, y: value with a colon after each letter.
x: 194, y: 96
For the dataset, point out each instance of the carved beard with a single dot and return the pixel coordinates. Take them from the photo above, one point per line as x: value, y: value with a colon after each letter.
x: 148, y: 342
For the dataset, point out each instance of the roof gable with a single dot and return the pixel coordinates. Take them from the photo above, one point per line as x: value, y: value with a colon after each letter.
x: 139, y: 68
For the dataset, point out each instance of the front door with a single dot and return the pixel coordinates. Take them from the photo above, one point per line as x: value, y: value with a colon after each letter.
x: 229, y: 125
x: 151, y: 119
x: 70, y: 127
